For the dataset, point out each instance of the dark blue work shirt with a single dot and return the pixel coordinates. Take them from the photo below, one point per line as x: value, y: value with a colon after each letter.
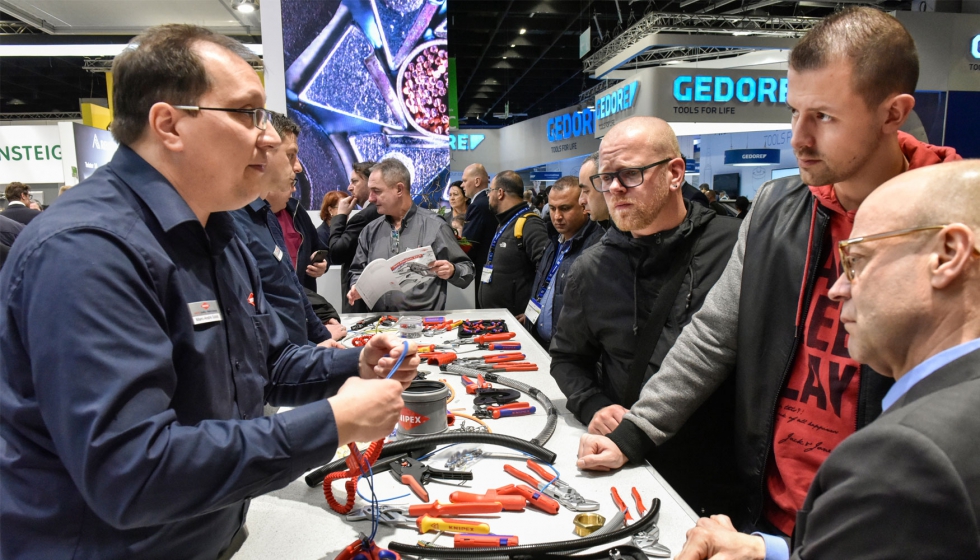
x: 127, y: 430
x: 259, y: 228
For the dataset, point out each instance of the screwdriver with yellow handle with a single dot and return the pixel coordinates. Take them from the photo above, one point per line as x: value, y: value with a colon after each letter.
x: 428, y: 523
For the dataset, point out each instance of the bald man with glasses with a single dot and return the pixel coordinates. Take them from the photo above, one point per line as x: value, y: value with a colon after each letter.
x: 906, y: 485
x: 628, y: 298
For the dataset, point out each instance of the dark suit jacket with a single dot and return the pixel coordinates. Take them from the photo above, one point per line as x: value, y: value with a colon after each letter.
x: 907, y: 485
x: 340, y: 238
x: 481, y: 224
x: 21, y: 214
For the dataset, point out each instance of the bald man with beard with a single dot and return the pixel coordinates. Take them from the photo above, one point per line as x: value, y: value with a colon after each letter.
x: 906, y: 485
x: 628, y: 298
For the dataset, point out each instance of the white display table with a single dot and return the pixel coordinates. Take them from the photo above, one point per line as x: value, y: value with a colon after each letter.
x: 297, y: 523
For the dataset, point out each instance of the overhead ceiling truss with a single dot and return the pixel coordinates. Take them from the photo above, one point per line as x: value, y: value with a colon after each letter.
x: 654, y: 22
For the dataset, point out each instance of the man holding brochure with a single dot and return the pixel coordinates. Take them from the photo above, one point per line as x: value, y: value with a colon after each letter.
x: 403, y: 228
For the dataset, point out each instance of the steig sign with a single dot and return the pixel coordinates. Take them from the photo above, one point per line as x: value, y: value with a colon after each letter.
x: 30, y: 154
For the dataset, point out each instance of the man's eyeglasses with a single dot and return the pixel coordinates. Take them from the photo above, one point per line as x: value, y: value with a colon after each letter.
x: 628, y: 177
x: 260, y: 116
x: 844, y: 246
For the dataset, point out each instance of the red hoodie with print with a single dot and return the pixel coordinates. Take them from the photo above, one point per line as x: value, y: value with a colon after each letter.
x: 817, y: 408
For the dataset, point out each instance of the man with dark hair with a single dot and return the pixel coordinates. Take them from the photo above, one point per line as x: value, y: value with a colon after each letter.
x: 595, y: 203
x: 742, y: 205
x: 257, y: 226
x: 799, y: 392
x: 718, y: 207
x: 576, y: 233
x: 19, y: 203
x: 480, y: 223
x: 628, y: 297
x: 906, y: 485
x: 131, y: 412
x: 298, y: 232
x: 344, y: 229
x: 694, y: 195
x: 404, y: 226
x: 515, y: 248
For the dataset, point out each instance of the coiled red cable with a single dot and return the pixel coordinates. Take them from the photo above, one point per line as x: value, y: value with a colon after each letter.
x: 357, y: 465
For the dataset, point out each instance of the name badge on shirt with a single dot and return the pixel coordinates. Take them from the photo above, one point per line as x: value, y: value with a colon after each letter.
x: 277, y: 253
x: 533, y: 311
x: 204, y: 312
x: 487, y: 271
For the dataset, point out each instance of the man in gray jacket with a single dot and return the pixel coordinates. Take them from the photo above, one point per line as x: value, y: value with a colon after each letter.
x: 403, y: 226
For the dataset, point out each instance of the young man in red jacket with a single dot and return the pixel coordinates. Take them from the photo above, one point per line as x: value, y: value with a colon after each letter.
x: 768, y: 320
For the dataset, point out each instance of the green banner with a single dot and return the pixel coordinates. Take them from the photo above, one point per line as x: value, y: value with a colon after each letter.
x: 453, y: 103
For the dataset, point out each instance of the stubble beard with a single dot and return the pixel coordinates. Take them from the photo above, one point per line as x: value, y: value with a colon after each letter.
x: 642, y: 213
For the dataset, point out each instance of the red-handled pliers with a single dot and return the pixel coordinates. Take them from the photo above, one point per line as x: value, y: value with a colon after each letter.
x: 472, y: 386
x: 495, y: 358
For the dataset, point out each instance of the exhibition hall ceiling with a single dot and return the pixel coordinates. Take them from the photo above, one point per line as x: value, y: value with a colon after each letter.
x: 500, y: 69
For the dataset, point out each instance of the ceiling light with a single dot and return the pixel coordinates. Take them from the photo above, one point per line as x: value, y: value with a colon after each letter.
x: 741, y: 33
x: 522, y: 31
x: 674, y: 61
x: 245, y: 6
x: 505, y: 58
x: 512, y: 46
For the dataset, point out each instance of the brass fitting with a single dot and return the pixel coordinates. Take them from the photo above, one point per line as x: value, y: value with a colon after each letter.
x: 588, y: 523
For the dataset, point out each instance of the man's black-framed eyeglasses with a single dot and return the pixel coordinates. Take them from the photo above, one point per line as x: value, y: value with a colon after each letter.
x: 628, y: 177
x: 260, y: 116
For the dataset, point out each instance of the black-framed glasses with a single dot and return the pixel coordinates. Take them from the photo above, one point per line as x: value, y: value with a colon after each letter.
x: 260, y: 116
x: 847, y: 262
x: 628, y: 177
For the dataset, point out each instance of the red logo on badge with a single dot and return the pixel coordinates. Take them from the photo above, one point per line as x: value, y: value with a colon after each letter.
x: 251, y: 298
x: 205, y: 306
x: 410, y: 419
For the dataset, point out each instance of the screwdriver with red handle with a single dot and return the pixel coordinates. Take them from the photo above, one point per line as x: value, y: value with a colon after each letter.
x: 436, y: 509
x: 464, y: 540
x: 507, y: 501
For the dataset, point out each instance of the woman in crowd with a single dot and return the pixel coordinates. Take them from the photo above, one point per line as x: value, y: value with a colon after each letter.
x: 329, y: 207
x: 458, y: 203
x: 327, y: 211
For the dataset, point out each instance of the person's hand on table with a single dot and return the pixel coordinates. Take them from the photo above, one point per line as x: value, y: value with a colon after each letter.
x: 716, y: 538
x: 337, y: 330
x: 607, y: 419
x: 366, y: 410
x: 443, y: 269
x: 520, y: 318
x: 352, y: 295
x: 345, y: 205
x: 380, y: 354
x: 599, y: 453
x: 316, y: 270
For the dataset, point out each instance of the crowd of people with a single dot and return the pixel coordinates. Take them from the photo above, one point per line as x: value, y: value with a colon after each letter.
x: 804, y: 372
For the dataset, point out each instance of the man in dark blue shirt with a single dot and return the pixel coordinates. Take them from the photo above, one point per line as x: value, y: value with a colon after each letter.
x: 258, y: 227
x: 138, y: 347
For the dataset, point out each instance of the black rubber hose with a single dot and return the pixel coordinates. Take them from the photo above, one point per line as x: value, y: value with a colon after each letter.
x: 315, y: 478
x: 535, y: 393
x: 529, y: 550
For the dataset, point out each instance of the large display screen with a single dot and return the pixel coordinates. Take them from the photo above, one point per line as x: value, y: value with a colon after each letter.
x: 368, y: 80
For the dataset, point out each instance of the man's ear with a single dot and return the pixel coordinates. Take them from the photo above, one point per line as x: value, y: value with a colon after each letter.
x: 896, y: 109
x: 162, y: 123
x: 953, y: 256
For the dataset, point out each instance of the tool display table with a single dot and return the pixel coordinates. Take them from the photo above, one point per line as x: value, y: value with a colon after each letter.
x: 296, y: 522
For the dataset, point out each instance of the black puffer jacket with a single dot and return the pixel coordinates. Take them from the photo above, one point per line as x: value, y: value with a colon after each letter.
x: 514, y: 262
x: 608, y: 299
